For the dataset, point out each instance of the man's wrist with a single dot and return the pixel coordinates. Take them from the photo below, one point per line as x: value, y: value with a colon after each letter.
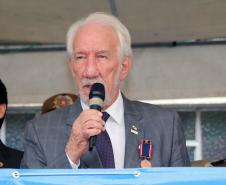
x: 73, y: 164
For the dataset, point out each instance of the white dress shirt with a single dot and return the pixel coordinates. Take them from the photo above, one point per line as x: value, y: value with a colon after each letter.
x: 115, y: 126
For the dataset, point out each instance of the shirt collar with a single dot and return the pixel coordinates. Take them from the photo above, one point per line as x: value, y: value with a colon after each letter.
x: 116, y: 110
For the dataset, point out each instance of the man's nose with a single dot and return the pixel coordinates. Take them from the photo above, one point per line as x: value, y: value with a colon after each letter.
x: 91, y: 69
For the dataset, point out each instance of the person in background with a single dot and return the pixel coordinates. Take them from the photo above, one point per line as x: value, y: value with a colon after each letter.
x: 58, y: 101
x: 9, y: 157
x: 129, y: 134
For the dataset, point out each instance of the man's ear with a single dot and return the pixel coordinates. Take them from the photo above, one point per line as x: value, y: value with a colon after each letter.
x: 125, y: 67
x: 2, y: 110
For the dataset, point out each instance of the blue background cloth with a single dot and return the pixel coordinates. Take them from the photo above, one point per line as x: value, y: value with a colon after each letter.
x: 160, y: 176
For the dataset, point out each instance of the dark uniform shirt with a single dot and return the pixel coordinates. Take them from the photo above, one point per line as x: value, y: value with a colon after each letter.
x: 9, y: 157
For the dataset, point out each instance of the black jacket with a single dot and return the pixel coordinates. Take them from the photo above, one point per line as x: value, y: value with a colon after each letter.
x: 9, y: 157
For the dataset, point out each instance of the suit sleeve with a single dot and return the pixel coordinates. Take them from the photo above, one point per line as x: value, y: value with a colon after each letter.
x: 179, y: 154
x: 34, y: 155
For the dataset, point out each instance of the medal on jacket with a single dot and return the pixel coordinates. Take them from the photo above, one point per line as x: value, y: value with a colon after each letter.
x: 1, y: 164
x: 145, y: 148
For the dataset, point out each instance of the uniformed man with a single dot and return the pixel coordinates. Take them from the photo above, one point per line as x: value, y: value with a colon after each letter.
x: 9, y: 157
x: 58, y: 101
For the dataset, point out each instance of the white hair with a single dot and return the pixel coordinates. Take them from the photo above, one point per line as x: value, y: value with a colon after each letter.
x: 103, y: 18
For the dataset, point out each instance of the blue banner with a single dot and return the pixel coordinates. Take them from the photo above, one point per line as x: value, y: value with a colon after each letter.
x: 160, y: 176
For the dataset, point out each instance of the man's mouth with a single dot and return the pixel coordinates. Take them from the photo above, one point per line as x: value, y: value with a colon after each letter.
x: 86, y: 88
x: 87, y: 85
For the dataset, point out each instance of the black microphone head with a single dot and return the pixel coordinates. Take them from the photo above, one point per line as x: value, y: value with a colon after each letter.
x: 97, y: 96
x: 97, y: 90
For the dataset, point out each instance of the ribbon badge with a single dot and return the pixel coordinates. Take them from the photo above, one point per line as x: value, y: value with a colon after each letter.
x: 145, y: 148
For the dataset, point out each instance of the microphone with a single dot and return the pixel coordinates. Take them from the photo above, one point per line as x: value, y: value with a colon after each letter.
x: 96, y: 100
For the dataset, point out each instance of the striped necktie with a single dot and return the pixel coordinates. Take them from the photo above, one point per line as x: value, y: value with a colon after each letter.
x: 104, y: 147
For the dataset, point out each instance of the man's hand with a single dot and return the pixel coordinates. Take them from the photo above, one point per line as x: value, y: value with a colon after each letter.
x: 89, y: 123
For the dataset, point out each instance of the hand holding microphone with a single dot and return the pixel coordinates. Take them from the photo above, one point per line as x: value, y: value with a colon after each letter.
x: 85, y: 125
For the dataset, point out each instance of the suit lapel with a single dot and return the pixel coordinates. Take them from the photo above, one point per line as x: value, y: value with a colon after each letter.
x: 134, y: 134
x: 91, y: 158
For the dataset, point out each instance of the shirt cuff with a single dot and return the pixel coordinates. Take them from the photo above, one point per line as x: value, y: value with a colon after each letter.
x: 73, y: 165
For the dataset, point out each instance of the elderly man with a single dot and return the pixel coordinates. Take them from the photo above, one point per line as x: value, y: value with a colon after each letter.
x: 134, y: 135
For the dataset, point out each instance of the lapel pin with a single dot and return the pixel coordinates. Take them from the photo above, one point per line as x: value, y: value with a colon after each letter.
x: 134, y: 130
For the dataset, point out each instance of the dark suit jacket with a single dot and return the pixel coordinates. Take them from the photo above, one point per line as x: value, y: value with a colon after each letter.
x: 9, y: 157
x: 47, y: 135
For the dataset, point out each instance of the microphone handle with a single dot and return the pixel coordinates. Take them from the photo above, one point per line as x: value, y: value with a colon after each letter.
x: 92, y: 139
x: 92, y: 142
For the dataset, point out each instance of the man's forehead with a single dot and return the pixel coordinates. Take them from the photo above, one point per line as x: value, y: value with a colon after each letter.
x: 95, y: 38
